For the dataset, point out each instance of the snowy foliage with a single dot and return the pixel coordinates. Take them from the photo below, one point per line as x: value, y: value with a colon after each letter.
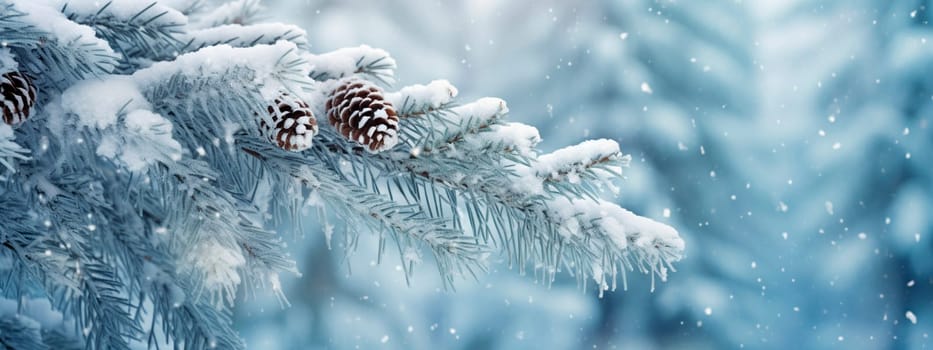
x: 141, y: 199
x: 787, y: 140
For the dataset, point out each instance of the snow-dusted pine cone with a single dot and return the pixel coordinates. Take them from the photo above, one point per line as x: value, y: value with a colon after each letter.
x: 358, y: 110
x: 289, y: 123
x: 17, y: 96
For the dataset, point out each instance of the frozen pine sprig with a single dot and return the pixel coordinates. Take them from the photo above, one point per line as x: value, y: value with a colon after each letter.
x: 444, y: 131
x: 415, y: 100
x: 218, y: 264
x: 567, y: 169
x: 363, y: 60
x: 241, y: 12
x: 569, y: 163
x: 479, y: 164
x: 143, y: 199
x: 44, y: 40
x: 136, y: 30
x: 238, y: 35
x: 617, y: 234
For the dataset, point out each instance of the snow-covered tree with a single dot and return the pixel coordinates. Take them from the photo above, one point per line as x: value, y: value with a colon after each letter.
x: 153, y: 152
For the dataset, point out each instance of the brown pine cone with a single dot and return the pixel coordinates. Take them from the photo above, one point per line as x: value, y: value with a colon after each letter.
x: 17, y: 97
x: 289, y: 123
x: 358, y: 110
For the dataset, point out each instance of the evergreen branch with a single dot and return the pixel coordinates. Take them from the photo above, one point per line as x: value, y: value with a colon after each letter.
x: 420, y: 100
x: 160, y: 189
x: 362, y: 60
x: 100, y: 302
x: 137, y: 31
x: 464, y: 121
x: 244, y: 36
x: 66, y: 262
x: 582, y: 169
x: 64, y: 53
x: 507, y: 184
x: 184, y: 315
x: 242, y: 12
x: 365, y: 208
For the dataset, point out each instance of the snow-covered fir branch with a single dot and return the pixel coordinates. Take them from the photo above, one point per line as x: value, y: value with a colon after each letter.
x: 155, y: 149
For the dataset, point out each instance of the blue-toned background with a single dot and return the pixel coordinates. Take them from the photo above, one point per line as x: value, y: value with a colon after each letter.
x: 788, y: 141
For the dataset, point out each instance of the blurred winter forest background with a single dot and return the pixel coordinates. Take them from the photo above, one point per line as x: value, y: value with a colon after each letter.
x: 788, y: 141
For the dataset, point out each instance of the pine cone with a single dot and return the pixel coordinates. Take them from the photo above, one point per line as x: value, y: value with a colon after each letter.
x: 357, y: 109
x: 290, y: 124
x: 17, y: 96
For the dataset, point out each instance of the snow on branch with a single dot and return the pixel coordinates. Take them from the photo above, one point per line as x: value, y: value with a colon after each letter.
x: 442, y: 133
x: 507, y: 177
x: 363, y: 208
x: 506, y: 138
x: 420, y: 99
x: 44, y: 40
x: 275, y: 67
x: 362, y: 60
x: 123, y: 11
x: 186, y: 7
x: 142, y: 137
x: 618, y: 234
x: 568, y: 163
x: 234, y: 12
x: 600, y: 161
x: 138, y: 30
x: 237, y: 35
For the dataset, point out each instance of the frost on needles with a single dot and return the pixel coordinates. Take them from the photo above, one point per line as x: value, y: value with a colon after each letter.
x: 165, y: 142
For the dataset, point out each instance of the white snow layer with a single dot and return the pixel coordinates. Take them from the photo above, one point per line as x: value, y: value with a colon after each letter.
x: 142, y: 139
x: 264, y: 60
x: 485, y: 108
x: 120, y: 9
x: 433, y: 95
x: 240, y: 35
x: 622, y: 226
x: 218, y: 264
x: 145, y: 139
x: 49, y: 19
x: 583, y: 153
x: 569, y: 162
x: 513, y: 137
x: 98, y: 102
x: 233, y: 12
x: 345, y: 62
